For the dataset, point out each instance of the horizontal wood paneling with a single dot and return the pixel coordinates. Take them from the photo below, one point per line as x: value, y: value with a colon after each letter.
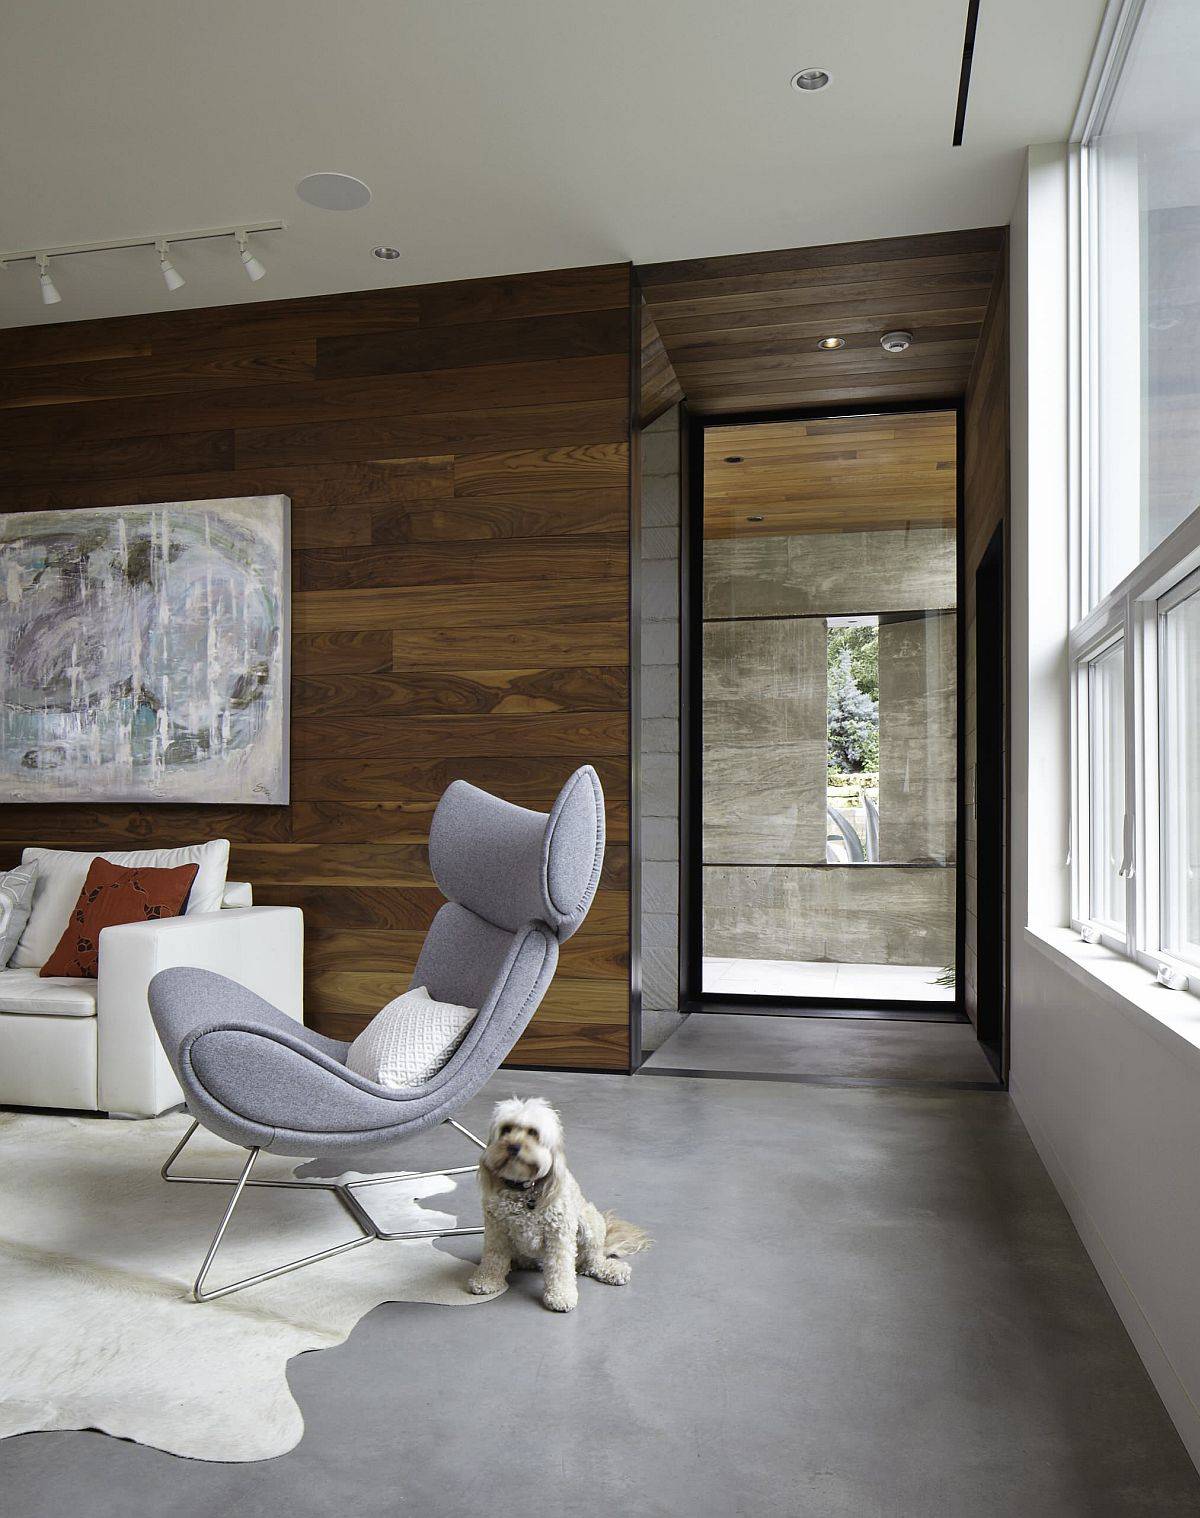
x: 457, y: 457
x: 659, y: 384
x: 741, y: 333
x: 853, y: 474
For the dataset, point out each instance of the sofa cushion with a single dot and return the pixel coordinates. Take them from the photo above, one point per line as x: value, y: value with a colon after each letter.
x: 16, y: 900
x: 61, y: 874
x: 24, y: 991
x: 114, y: 893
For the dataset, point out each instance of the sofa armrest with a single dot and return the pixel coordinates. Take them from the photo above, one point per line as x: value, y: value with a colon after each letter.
x: 261, y: 948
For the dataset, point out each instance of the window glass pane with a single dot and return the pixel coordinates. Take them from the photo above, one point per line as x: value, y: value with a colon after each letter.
x: 1180, y: 770
x: 1145, y: 178
x: 1106, y: 785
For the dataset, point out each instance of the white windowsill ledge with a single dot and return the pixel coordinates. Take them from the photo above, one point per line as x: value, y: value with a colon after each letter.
x: 1173, y: 1017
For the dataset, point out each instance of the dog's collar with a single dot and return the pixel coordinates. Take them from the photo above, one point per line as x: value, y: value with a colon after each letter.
x: 526, y: 1189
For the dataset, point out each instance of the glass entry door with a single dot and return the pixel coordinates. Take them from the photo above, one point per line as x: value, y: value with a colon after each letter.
x: 828, y: 709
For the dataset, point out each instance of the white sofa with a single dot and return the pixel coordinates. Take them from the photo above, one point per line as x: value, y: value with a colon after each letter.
x: 90, y: 1044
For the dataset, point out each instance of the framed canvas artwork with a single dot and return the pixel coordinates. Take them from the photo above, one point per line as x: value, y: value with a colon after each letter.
x: 144, y: 653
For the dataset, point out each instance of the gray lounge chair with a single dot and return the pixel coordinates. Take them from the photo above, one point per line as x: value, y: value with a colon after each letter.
x: 517, y: 882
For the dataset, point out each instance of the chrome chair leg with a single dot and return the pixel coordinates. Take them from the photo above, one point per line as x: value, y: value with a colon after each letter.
x: 368, y: 1229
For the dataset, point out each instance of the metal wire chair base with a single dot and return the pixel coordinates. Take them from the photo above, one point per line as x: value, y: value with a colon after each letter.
x: 368, y: 1229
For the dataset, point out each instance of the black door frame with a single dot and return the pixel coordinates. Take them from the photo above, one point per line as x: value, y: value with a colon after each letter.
x: 991, y: 799
x: 693, y: 998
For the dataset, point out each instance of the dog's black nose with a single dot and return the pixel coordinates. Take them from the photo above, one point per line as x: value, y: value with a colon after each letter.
x: 514, y: 1149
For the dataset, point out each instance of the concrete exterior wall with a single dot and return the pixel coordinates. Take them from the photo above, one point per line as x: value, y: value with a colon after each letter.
x: 830, y: 574
x: 764, y: 741
x: 659, y: 675
x: 918, y: 724
x: 874, y: 914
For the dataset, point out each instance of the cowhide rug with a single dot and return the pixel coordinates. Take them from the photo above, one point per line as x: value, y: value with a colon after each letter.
x: 97, y: 1256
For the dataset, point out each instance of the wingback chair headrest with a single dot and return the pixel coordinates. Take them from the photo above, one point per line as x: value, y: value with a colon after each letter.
x: 510, y: 865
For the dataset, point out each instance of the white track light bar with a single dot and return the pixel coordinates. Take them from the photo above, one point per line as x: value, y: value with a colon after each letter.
x: 69, y: 249
x: 171, y: 276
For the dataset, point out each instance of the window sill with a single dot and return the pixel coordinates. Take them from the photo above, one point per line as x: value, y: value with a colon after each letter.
x: 1173, y: 1017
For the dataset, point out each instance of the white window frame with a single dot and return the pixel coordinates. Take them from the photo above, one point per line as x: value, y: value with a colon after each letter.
x: 1133, y: 609
x: 1132, y: 612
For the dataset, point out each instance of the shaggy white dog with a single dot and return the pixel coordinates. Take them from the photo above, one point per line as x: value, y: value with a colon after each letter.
x: 535, y: 1214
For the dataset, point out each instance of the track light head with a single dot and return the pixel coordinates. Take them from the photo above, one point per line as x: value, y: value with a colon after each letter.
x: 171, y: 275
x: 254, y: 268
x: 50, y: 295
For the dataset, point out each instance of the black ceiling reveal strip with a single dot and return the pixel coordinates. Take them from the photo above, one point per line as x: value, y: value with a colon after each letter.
x: 964, y: 76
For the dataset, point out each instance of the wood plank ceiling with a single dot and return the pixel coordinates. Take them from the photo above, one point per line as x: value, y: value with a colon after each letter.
x: 742, y: 332
x: 840, y: 474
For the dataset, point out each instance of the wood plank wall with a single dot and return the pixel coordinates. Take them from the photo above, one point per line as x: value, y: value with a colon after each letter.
x: 457, y: 457
x: 742, y: 331
x: 985, y: 507
x: 660, y: 387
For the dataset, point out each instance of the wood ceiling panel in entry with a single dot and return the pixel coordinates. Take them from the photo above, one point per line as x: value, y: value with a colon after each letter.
x: 742, y: 332
x: 836, y: 474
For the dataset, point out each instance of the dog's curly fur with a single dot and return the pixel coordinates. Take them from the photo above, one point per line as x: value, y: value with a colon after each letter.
x: 535, y: 1214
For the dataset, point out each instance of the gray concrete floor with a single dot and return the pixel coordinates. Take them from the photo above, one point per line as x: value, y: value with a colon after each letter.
x: 853, y: 1048
x: 863, y: 1303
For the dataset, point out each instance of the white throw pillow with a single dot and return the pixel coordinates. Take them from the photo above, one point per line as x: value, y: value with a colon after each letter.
x: 409, y: 1041
x: 16, y: 899
x: 61, y: 874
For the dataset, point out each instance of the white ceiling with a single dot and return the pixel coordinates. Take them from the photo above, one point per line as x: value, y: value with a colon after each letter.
x: 502, y: 135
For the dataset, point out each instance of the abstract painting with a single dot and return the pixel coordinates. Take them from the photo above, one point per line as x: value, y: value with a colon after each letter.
x: 144, y: 653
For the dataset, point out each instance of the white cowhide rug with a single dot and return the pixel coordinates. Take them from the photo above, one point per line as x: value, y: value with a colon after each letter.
x: 97, y: 1256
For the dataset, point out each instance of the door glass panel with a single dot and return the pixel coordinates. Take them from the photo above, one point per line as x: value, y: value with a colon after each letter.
x: 829, y: 695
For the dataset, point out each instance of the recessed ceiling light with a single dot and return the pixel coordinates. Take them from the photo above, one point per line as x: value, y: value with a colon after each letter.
x: 733, y: 458
x: 830, y: 343
x: 388, y: 253
x: 811, y: 79
x: 333, y: 192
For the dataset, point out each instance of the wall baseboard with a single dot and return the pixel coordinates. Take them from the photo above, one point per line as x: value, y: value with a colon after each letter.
x: 1181, y: 1407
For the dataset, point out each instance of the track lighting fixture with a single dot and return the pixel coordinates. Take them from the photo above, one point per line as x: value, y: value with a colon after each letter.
x: 172, y: 278
x: 50, y: 295
x: 171, y: 275
x: 253, y: 268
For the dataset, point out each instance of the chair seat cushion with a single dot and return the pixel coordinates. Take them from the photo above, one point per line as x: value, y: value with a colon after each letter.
x: 409, y: 1041
x: 24, y: 991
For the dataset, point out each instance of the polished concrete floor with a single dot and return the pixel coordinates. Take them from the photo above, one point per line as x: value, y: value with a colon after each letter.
x: 863, y: 1303
x: 854, y: 1049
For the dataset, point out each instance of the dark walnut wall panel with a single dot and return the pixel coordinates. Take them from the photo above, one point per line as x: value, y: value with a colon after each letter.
x: 741, y: 332
x: 457, y: 457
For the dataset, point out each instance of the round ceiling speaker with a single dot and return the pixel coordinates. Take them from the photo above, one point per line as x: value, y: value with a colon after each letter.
x: 333, y: 192
x: 896, y: 342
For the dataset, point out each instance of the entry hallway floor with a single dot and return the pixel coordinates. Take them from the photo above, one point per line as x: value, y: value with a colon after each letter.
x: 863, y: 1303
x: 849, y: 1048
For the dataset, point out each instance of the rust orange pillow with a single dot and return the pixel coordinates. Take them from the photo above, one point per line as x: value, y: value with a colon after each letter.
x: 114, y: 893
